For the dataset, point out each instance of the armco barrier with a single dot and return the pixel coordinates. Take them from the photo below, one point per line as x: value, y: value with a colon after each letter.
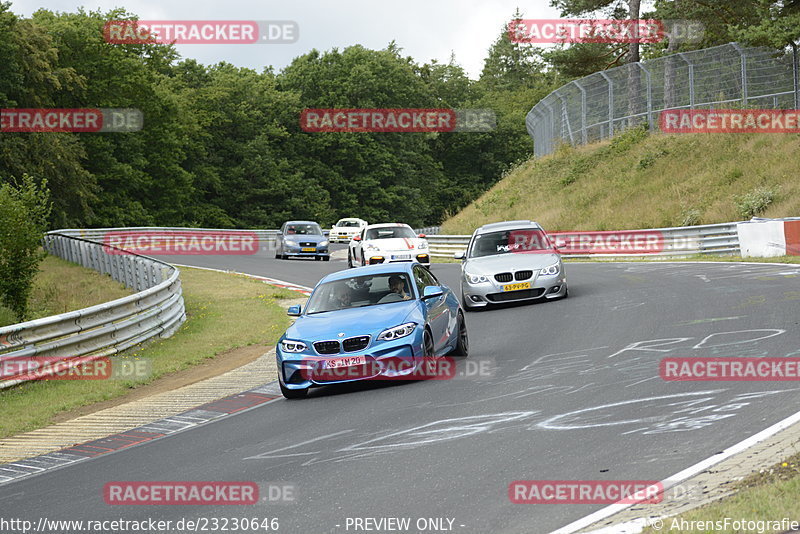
x: 266, y: 237
x: 42, y: 347
x: 680, y: 241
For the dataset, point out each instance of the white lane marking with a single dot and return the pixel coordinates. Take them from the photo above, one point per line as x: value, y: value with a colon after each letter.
x: 675, y: 479
x: 271, y: 454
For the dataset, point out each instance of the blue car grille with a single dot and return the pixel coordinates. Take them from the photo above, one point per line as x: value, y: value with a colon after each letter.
x: 327, y: 347
x: 307, y: 244
x: 353, y: 344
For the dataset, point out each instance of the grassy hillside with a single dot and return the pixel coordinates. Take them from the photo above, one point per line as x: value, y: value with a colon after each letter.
x: 639, y: 180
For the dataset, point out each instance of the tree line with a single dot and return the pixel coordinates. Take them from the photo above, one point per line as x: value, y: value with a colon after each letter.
x: 222, y: 145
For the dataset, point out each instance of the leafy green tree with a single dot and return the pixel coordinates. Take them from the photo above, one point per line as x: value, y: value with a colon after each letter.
x: 24, y: 211
x: 31, y: 79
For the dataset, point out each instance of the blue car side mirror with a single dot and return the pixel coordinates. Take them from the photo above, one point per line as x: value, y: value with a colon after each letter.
x: 432, y: 291
x: 293, y: 311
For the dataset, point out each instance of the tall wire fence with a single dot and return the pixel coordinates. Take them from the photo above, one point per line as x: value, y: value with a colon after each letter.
x: 599, y: 105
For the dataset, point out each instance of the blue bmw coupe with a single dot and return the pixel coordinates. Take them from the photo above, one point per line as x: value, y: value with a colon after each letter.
x: 373, y: 322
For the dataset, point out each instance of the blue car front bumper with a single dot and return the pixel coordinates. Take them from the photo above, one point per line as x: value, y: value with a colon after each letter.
x: 296, y: 370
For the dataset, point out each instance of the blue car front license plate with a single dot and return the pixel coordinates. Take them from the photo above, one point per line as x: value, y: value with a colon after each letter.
x: 347, y: 361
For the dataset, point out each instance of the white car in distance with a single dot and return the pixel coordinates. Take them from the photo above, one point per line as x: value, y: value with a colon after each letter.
x: 346, y: 229
x: 387, y: 243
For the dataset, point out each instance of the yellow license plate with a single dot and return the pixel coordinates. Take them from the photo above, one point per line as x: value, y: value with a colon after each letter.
x: 308, y: 249
x: 517, y: 287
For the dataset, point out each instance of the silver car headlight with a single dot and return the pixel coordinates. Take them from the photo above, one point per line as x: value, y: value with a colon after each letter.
x: 550, y: 270
x: 397, y: 332
x: 476, y: 278
x: 293, y: 346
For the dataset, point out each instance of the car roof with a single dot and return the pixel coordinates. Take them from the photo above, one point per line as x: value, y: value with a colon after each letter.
x: 381, y: 268
x: 508, y: 225
x: 387, y: 225
x: 301, y: 222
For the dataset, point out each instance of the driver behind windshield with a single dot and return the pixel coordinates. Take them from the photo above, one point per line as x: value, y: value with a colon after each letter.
x: 342, y: 296
x: 396, y: 290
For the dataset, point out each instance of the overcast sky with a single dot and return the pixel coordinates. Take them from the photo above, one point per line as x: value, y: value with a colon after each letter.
x: 424, y: 29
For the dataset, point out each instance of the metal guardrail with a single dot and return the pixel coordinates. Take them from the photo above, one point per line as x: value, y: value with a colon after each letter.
x: 266, y: 238
x: 604, y: 103
x: 50, y: 345
x: 720, y: 239
x: 677, y: 241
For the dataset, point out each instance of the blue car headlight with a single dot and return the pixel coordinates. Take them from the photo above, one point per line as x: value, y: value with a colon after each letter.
x: 397, y: 332
x: 323, y: 243
x: 291, y: 242
x: 293, y: 346
x: 550, y: 270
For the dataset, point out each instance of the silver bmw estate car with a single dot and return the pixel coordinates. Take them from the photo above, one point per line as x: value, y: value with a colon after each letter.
x: 508, y: 262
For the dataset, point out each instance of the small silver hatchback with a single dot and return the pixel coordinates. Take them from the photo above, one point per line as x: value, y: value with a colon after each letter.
x: 508, y: 262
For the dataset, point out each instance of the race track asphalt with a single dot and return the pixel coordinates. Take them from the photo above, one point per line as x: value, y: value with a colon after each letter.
x: 570, y: 390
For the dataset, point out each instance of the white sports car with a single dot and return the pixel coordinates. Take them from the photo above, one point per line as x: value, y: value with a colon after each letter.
x: 346, y: 229
x: 387, y: 243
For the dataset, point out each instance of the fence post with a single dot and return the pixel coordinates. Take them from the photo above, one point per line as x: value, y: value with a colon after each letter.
x: 744, y: 72
x: 796, y: 78
x: 691, y: 78
x: 565, y: 117
x: 610, y: 103
x: 649, y: 97
x: 584, y: 135
x: 552, y: 123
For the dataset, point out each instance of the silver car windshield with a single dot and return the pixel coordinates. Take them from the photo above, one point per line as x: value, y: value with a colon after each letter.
x: 507, y: 241
x: 390, y: 232
x: 360, y: 291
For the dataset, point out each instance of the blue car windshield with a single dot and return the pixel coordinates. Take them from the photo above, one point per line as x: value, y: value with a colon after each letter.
x: 360, y: 291
x: 303, y: 229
